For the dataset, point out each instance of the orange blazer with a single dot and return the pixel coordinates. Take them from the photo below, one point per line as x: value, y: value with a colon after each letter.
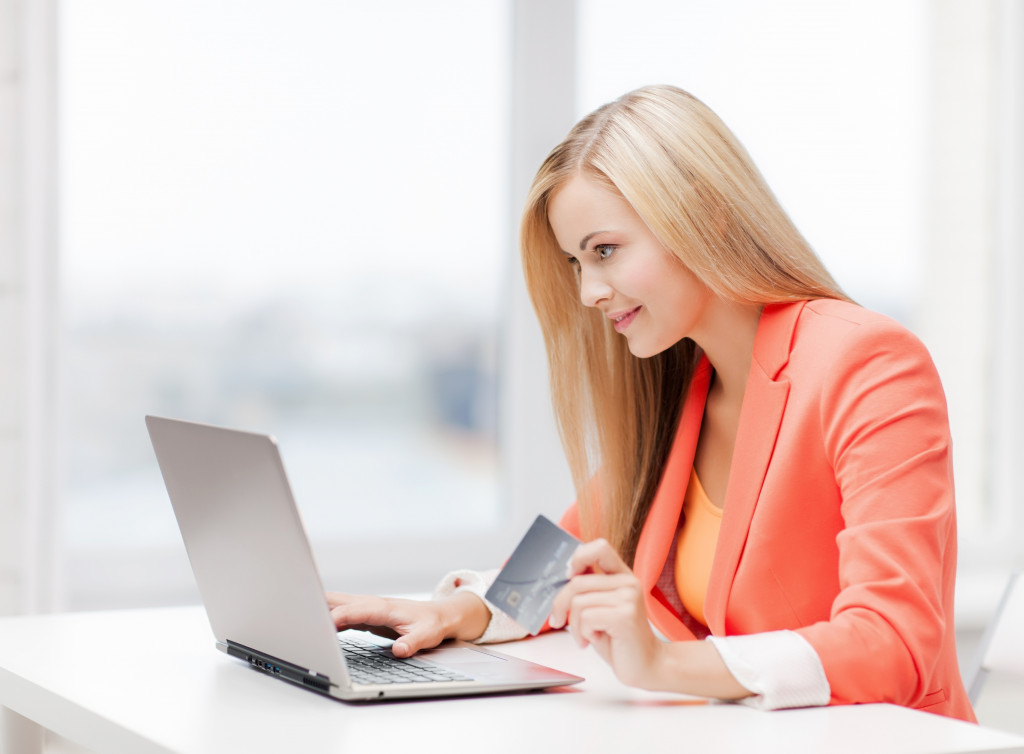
x: 839, y: 518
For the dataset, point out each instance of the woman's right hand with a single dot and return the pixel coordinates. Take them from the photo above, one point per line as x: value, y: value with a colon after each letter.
x: 414, y: 624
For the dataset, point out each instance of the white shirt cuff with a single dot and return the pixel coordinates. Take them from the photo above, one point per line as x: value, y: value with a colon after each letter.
x: 780, y: 667
x: 501, y: 627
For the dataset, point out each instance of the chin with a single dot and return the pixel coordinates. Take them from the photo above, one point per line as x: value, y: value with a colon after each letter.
x: 643, y: 352
x: 646, y: 350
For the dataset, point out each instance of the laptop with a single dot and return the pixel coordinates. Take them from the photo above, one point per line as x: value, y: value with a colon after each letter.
x: 263, y: 594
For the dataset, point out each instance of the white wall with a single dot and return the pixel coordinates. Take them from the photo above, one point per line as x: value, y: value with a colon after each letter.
x: 27, y: 301
x: 11, y: 342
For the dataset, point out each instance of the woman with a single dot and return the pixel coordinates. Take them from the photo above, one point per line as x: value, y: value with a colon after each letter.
x: 758, y: 461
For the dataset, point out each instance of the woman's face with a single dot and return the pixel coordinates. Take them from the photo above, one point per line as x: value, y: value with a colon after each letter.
x: 652, y: 298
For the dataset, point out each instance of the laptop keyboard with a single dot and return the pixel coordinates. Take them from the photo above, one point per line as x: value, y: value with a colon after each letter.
x: 369, y: 663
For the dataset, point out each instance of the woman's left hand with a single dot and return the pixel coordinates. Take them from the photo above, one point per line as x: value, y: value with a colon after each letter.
x: 603, y: 606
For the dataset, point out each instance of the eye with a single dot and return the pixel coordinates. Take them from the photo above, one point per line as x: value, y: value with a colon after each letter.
x: 573, y: 261
x: 604, y: 250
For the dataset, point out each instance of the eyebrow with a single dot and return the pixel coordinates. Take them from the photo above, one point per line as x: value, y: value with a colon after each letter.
x: 586, y: 238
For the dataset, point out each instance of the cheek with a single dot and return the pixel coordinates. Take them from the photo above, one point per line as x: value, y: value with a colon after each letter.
x: 668, y: 289
x: 647, y: 282
x: 679, y: 306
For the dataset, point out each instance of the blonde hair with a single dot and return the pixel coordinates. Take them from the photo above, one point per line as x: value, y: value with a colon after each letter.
x: 691, y: 181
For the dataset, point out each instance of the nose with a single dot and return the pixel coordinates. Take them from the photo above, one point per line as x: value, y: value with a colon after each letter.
x: 593, y: 287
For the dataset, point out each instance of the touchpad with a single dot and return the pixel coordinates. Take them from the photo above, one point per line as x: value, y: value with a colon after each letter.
x: 458, y: 656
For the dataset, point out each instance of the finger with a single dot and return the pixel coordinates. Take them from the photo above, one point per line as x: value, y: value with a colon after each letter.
x: 588, y: 582
x: 612, y: 599
x: 590, y: 634
x: 366, y: 612
x: 611, y: 612
x: 415, y: 641
x: 559, y: 614
x: 382, y: 631
x: 560, y: 607
x: 597, y: 556
x: 334, y: 599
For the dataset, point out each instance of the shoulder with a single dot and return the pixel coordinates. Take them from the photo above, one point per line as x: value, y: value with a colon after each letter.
x: 849, y: 350
x: 832, y: 342
x: 840, y: 330
x: 818, y: 334
x: 832, y: 316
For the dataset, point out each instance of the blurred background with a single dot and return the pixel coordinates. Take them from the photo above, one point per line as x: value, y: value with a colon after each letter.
x: 299, y: 218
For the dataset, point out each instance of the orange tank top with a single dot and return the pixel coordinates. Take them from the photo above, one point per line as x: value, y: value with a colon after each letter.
x: 695, y: 548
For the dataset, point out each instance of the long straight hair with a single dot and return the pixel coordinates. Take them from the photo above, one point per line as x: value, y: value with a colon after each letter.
x: 694, y: 185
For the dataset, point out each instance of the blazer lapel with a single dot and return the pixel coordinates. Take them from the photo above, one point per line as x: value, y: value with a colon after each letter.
x: 663, y: 517
x: 760, y: 416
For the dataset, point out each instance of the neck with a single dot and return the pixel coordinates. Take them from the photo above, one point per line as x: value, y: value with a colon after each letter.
x: 729, y: 346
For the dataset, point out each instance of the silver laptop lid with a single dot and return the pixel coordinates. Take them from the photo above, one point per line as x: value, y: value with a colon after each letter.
x: 246, y: 542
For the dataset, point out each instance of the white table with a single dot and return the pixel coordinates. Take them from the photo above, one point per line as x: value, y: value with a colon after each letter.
x: 151, y: 681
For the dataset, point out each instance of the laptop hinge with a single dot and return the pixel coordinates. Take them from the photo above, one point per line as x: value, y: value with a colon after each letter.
x: 276, y: 666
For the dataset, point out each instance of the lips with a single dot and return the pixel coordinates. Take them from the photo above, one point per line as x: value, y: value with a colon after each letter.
x: 623, y: 320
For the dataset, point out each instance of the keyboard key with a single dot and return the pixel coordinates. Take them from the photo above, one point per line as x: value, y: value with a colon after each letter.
x: 372, y: 664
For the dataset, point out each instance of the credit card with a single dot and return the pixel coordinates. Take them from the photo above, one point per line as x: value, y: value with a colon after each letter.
x: 527, y: 585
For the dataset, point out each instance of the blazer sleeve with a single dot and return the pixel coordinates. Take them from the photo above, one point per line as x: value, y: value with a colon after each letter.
x: 570, y: 521
x: 886, y: 430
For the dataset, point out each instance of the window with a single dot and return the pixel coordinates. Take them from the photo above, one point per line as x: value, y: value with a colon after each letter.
x: 291, y: 218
